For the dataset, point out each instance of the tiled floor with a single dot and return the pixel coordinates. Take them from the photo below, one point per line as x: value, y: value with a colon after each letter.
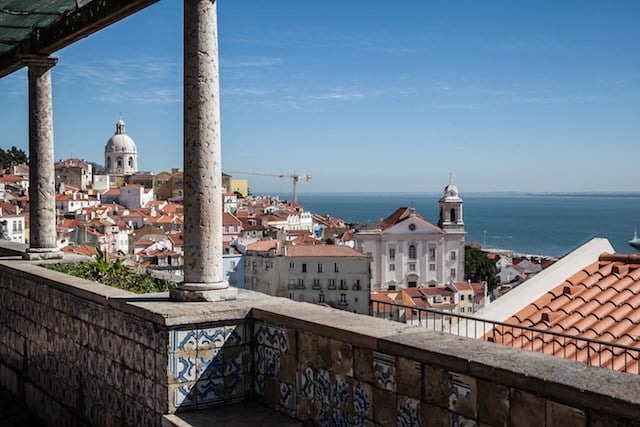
x: 14, y: 414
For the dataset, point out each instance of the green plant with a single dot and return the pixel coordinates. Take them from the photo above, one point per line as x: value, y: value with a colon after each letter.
x: 114, y: 273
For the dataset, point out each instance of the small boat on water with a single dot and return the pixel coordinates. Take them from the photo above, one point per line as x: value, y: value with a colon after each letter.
x: 635, y: 242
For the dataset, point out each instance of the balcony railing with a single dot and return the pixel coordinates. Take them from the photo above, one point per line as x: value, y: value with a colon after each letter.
x: 589, y: 351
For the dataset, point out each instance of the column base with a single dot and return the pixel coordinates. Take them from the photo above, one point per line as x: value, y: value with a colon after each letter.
x: 203, y: 292
x: 33, y: 254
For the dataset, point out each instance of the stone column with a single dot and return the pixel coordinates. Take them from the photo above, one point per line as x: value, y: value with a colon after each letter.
x: 42, y: 203
x: 203, y: 278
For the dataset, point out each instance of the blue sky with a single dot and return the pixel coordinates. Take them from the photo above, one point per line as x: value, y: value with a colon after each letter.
x: 371, y: 95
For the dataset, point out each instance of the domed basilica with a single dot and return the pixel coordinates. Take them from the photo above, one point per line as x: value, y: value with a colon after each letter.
x: 120, y: 153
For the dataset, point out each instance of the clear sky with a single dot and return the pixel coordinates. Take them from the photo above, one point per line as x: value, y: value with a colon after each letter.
x: 371, y: 95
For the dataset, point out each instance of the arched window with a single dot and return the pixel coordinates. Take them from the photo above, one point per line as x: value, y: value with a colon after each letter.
x: 453, y: 215
x: 412, y: 252
x: 108, y: 162
x: 119, y: 162
x: 130, y: 161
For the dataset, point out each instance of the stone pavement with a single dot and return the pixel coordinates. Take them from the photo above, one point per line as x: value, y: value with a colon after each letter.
x: 14, y: 414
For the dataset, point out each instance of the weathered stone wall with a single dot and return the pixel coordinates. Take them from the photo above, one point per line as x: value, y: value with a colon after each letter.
x: 79, y: 356
x: 335, y: 369
x: 82, y: 353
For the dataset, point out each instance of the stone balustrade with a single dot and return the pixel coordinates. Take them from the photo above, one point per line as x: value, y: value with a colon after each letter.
x: 80, y: 352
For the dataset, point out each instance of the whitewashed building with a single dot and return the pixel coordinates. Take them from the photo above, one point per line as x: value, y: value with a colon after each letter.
x: 408, y: 251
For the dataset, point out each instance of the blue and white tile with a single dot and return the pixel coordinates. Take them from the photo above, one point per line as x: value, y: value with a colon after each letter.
x: 362, y: 398
x: 384, y: 370
x: 342, y: 392
x: 183, y: 366
x: 288, y: 396
x: 258, y: 384
x: 235, y: 361
x: 236, y: 386
x: 324, y: 418
x: 323, y: 386
x: 306, y: 383
x: 272, y: 336
x: 183, y: 340
x: 210, y: 391
x: 342, y: 418
x: 409, y: 413
x: 183, y: 395
x: 268, y: 361
x: 213, y: 337
x: 210, y: 364
x: 235, y: 334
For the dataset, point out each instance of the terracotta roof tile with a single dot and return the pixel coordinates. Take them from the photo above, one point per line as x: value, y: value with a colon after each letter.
x: 600, y: 302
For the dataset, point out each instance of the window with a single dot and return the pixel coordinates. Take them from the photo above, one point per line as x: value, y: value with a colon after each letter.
x: 343, y: 298
x: 343, y: 285
x: 254, y: 266
x: 392, y: 267
x: 392, y: 253
x: 461, y: 297
x: 412, y: 284
x: 130, y: 161
x: 452, y: 273
x: 392, y: 287
x: 268, y: 265
x: 332, y: 283
x: 412, y: 252
x: 292, y: 265
x: 412, y: 266
x: 453, y: 215
x: 335, y: 267
x: 292, y: 295
x: 321, y: 297
x: 452, y: 256
x: 300, y: 283
x: 319, y: 267
x: 432, y: 254
x: 232, y: 265
x: 432, y: 267
x: 461, y: 309
x: 356, y: 284
x: 304, y: 267
x: 316, y: 283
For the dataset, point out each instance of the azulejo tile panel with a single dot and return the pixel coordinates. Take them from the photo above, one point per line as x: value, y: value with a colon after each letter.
x: 323, y: 386
x: 213, y: 337
x: 183, y: 340
x: 384, y: 371
x: 409, y: 413
x: 271, y: 336
x: 183, y: 395
x: 362, y: 397
x: 288, y: 396
x: 306, y: 383
x: 210, y: 392
x: 342, y: 392
x: 183, y: 366
x: 209, y: 363
x: 268, y: 361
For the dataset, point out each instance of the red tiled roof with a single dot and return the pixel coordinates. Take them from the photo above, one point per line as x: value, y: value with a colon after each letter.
x: 263, y: 246
x: 402, y: 214
x: 600, y: 302
x: 229, y: 219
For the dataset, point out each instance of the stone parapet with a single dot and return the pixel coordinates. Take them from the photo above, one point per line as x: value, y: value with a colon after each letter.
x: 78, y: 352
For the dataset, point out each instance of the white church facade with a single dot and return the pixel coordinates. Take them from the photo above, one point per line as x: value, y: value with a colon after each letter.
x: 408, y: 251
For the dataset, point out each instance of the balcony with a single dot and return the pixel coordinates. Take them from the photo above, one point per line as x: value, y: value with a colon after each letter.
x: 85, y: 339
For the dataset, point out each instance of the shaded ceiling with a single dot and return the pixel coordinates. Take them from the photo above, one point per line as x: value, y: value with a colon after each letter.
x: 41, y: 27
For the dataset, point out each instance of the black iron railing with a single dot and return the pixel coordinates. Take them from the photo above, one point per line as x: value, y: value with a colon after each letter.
x: 589, y: 351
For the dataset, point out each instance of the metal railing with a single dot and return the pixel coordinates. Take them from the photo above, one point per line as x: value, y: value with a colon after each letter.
x: 589, y: 351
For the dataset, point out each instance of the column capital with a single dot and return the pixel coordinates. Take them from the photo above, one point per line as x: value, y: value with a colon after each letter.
x: 34, y: 59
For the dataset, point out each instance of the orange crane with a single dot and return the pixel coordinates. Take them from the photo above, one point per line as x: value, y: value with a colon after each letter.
x: 293, y: 176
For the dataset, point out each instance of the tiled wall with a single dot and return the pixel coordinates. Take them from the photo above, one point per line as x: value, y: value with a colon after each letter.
x: 331, y: 382
x: 80, y: 361
x: 209, y: 365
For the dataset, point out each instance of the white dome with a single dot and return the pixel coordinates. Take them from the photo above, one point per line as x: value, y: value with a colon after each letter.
x: 450, y: 190
x: 121, y: 142
x: 120, y: 153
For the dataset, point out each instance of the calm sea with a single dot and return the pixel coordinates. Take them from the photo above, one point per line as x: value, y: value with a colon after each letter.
x: 527, y: 223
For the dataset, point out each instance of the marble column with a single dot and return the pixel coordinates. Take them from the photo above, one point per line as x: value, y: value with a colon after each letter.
x: 42, y: 203
x: 203, y: 275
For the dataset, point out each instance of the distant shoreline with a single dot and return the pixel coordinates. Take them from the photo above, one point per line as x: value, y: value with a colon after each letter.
x: 463, y: 194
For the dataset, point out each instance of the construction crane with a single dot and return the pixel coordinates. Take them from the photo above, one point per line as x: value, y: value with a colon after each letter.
x: 293, y: 176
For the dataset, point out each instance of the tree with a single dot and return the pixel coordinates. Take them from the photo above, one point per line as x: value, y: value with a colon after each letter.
x: 11, y: 156
x: 478, y: 268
